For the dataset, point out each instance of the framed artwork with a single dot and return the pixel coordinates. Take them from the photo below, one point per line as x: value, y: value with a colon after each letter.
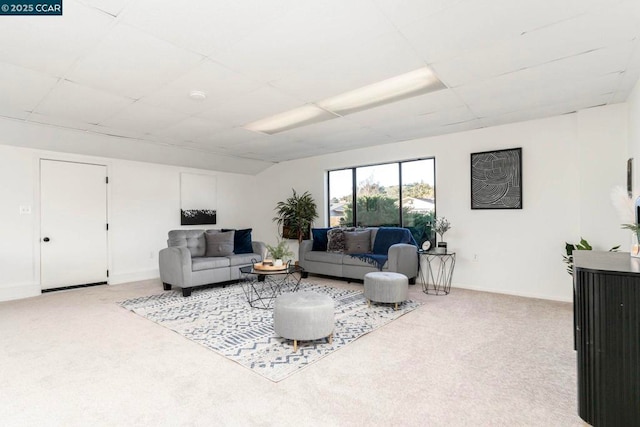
x: 630, y: 177
x: 198, y: 199
x: 496, y: 179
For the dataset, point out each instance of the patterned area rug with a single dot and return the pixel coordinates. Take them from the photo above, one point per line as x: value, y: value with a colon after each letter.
x: 222, y: 320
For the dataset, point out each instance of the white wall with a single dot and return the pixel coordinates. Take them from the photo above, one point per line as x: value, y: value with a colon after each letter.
x: 570, y: 163
x: 144, y: 204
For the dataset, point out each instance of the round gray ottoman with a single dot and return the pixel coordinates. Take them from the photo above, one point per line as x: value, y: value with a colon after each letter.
x: 382, y: 286
x: 303, y: 316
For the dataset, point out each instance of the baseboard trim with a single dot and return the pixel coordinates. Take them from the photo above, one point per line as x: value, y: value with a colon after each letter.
x: 517, y: 294
x: 133, y: 276
x: 19, y: 291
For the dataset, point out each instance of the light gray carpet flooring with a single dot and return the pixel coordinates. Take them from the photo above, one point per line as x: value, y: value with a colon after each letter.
x: 76, y: 358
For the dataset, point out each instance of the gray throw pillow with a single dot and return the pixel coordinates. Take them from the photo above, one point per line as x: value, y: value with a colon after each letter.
x: 219, y: 243
x: 357, y: 242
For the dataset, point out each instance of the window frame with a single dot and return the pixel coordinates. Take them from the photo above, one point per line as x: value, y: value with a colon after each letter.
x: 354, y: 186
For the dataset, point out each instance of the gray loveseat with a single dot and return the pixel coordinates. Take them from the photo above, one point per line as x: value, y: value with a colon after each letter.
x: 402, y: 258
x: 185, y: 263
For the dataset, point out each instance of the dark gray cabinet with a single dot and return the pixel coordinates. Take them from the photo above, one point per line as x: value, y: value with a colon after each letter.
x: 607, y: 337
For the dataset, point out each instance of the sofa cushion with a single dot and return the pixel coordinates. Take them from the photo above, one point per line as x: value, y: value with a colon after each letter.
x: 335, y: 239
x: 219, y: 243
x: 357, y: 242
x: 241, y: 240
x: 207, y: 263
x: 319, y: 239
x: 193, y: 240
x: 329, y: 257
x: 244, y: 259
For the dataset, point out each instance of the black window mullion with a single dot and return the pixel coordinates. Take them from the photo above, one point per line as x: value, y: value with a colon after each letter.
x: 354, y: 196
x: 400, y: 193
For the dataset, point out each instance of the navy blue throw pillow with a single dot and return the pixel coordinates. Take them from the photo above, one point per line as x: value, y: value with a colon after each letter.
x: 319, y: 239
x: 242, y: 241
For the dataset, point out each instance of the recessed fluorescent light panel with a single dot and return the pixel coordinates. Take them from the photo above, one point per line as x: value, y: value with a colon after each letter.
x: 404, y: 86
x: 302, y: 116
x: 414, y: 83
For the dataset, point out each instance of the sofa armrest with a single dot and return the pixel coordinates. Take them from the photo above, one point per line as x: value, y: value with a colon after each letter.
x: 403, y: 258
x: 259, y: 248
x: 304, y: 247
x: 175, y: 266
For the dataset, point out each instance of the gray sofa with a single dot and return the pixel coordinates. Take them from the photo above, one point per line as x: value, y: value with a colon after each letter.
x: 403, y: 258
x: 184, y: 264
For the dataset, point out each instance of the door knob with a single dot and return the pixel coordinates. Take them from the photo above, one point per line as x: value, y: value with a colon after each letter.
x: 46, y: 239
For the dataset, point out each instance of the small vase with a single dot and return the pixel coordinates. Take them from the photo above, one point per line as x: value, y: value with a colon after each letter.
x: 634, y: 250
x: 277, y: 263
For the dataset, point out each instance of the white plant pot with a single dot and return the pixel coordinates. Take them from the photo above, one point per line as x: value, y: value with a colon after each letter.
x: 277, y: 263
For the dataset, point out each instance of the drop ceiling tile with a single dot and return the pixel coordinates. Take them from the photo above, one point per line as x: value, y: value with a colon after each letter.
x: 577, y: 103
x: 446, y: 129
x: 416, y: 125
x: 352, y: 138
x: 377, y: 59
x: 467, y: 26
x: 190, y: 129
x: 627, y: 82
x: 303, y: 36
x: 112, y: 7
x: 322, y: 129
x: 140, y: 117
x: 218, y: 83
x: 22, y: 90
x: 430, y: 102
x: 228, y: 138
x: 80, y: 103
x: 52, y: 44
x: 131, y: 63
x: 121, y: 133
x: 403, y: 12
x: 58, y: 121
x: 593, y: 73
x: 565, y: 92
x: 464, y: 26
x: 578, y: 35
x: 203, y: 25
x: 246, y: 108
x: 527, y: 114
x: 284, y: 152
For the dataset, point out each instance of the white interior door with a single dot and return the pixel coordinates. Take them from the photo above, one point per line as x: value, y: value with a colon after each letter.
x: 73, y: 224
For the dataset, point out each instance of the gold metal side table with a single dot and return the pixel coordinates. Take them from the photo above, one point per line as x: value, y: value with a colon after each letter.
x: 437, y: 272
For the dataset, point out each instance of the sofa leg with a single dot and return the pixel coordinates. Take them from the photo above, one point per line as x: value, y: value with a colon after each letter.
x: 412, y: 281
x: 304, y: 274
x: 166, y: 286
x: 186, y: 292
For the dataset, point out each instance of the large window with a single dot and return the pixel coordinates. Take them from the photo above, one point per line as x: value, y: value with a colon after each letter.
x: 400, y: 194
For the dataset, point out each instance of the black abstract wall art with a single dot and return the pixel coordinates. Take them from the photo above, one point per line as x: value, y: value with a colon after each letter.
x: 496, y: 179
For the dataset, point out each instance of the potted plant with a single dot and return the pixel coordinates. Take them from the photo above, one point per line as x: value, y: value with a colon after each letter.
x: 442, y: 225
x: 279, y: 253
x: 295, y: 215
x: 582, y: 246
